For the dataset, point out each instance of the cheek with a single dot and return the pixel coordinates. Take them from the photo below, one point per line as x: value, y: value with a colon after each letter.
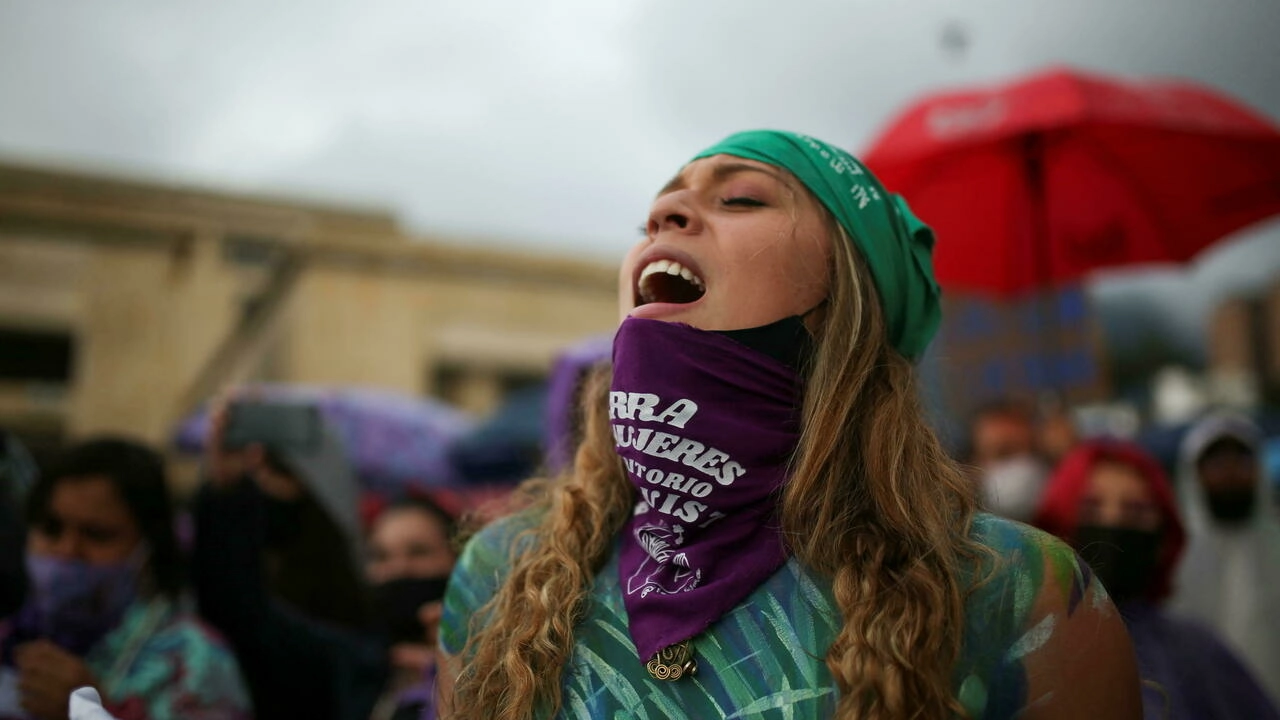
x: 811, y: 267
x: 768, y: 274
x: 39, y: 543
x: 440, y: 563
x: 109, y: 553
x: 814, y: 241
x: 1213, y: 480
x: 1150, y: 521
x: 792, y: 271
x: 381, y: 552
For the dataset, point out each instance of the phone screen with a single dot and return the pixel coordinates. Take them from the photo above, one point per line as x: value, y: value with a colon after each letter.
x: 279, y: 426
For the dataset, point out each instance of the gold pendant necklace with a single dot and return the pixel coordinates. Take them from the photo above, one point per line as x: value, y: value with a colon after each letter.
x: 673, y: 662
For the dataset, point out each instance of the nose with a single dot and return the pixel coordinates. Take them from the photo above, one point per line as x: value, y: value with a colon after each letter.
x: 397, y: 567
x: 673, y: 212
x: 1111, y: 514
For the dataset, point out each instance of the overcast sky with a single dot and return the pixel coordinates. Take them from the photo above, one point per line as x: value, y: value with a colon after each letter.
x: 550, y: 124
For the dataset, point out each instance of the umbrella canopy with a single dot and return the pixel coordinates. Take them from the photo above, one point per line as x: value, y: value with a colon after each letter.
x: 392, y: 440
x: 564, y: 397
x: 1038, y: 182
x: 506, y: 447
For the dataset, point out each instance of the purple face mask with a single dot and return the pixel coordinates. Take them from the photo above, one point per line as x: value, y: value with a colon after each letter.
x: 705, y: 427
x: 74, y: 604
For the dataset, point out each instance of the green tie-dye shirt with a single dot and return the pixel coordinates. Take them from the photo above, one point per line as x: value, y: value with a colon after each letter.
x: 161, y: 663
x: 764, y: 659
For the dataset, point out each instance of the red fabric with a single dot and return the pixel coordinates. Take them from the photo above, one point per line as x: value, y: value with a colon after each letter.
x: 1129, y: 173
x: 1060, y: 508
x: 482, y: 502
x: 371, y: 506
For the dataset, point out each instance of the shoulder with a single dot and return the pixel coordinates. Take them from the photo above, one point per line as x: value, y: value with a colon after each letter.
x: 480, y: 571
x: 1069, y: 646
x: 1038, y: 622
x: 176, y: 660
x: 493, y: 544
x: 1004, y: 535
x: 187, y: 632
x: 1033, y: 559
x: 1027, y: 569
x: 486, y: 557
x: 178, y: 635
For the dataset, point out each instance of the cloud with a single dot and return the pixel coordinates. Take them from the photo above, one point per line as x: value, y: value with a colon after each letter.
x: 543, y: 124
x: 842, y: 69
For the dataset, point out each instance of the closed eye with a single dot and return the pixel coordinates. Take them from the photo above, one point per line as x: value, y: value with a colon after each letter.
x: 742, y: 202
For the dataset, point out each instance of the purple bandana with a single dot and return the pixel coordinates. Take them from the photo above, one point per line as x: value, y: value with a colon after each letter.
x: 73, y: 603
x: 705, y: 427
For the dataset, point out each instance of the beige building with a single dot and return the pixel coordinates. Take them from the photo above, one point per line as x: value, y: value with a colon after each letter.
x: 125, y: 304
x: 1271, y: 340
x: 1244, y: 348
x: 1033, y: 349
x: 1232, y: 336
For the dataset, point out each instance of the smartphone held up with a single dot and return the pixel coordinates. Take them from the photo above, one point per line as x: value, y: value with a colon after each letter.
x: 278, y: 426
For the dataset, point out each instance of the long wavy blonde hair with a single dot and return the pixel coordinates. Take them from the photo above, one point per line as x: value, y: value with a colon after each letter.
x: 872, y: 502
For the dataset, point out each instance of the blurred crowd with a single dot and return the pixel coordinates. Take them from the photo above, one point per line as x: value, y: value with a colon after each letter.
x: 1188, y: 546
x: 273, y: 593
x: 284, y: 588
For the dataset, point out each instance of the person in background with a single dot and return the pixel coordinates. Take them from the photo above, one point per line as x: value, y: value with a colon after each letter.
x: 1113, y: 503
x: 1056, y: 432
x: 410, y: 557
x: 1011, y: 473
x: 1231, y: 577
x: 104, y: 607
x: 17, y: 473
x: 276, y: 569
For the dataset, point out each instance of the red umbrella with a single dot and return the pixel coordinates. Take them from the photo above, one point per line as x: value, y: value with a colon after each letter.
x: 1038, y: 182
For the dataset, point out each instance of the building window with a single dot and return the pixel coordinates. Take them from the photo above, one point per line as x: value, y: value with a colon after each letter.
x: 35, y: 356
x: 479, y: 388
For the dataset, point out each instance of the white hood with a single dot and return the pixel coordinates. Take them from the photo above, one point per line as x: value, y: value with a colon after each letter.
x: 1230, y: 576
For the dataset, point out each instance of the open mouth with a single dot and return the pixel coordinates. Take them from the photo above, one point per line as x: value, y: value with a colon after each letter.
x: 667, y: 281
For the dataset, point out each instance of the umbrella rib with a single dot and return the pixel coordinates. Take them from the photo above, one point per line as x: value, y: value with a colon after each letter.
x: 1150, y: 206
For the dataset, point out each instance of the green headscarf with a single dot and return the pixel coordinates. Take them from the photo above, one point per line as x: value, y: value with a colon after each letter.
x: 896, y: 245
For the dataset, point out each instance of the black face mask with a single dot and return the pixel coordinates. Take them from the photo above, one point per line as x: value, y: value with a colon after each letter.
x: 1231, y: 507
x: 787, y: 340
x: 284, y: 521
x: 1124, y: 559
x: 398, y: 601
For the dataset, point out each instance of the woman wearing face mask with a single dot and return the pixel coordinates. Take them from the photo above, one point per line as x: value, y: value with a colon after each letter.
x: 103, y: 606
x: 1111, y: 501
x: 410, y: 556
x: 1231, y: 577
x: 276, y: 571
x: 1002, y: 449
x: 759, y: 522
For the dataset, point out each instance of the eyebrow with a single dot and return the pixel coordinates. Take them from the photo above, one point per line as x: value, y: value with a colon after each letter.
x: 719, y: 173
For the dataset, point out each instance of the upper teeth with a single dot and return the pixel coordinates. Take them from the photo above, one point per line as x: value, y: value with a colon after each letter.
x: 671, y: 267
